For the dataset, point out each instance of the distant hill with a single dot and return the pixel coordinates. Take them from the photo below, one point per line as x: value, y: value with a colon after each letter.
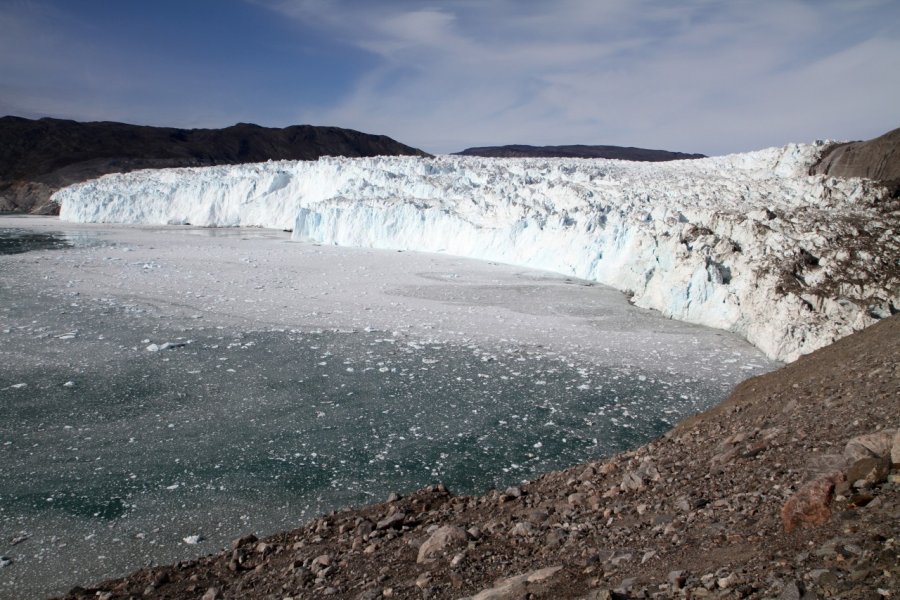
x: 577, y: 151
x: 37, y: 157
x: 878, y: 158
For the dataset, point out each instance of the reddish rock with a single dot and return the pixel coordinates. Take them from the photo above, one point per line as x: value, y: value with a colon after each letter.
x: 811, y: 505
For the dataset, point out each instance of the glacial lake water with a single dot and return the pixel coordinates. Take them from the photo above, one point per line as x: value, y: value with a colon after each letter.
x: 112, y: 452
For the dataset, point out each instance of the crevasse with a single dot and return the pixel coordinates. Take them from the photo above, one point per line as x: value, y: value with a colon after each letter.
x: 723, y: 241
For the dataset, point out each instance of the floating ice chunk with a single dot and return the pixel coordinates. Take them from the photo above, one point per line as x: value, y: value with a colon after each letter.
x: 193, y: 539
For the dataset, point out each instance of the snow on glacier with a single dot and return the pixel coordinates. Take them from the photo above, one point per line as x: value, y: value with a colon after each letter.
x: 748, y: 242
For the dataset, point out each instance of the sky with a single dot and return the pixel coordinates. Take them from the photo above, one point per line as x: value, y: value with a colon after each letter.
x: 703, y: 76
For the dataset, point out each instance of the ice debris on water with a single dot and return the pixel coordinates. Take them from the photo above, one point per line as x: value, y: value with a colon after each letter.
x: 193, y: 539
x: 5, y: 561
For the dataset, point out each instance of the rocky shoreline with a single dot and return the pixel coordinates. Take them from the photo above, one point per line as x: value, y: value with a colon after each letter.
x: 789, y: 489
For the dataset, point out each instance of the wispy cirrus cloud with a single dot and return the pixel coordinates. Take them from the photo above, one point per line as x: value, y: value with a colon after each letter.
x: 696, y: 76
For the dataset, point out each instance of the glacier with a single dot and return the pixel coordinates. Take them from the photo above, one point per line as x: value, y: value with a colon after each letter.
x: 750, y: 243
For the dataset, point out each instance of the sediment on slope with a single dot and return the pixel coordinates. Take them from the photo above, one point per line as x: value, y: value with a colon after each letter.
x: 790, y: 487
x: 38, y: 157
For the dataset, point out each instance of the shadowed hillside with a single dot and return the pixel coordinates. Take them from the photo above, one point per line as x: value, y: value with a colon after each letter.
x: 37, y: 157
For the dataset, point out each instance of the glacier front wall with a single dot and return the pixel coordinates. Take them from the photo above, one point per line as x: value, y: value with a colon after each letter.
x: 748, y: 243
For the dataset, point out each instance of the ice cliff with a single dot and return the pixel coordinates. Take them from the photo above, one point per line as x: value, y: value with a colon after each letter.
x: 748, y: 242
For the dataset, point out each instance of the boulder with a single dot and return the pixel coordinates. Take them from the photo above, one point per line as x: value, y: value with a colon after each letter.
x: 871, y: 445
x: 811, y: 504
x: 441, y: 542
x: 515, y: 587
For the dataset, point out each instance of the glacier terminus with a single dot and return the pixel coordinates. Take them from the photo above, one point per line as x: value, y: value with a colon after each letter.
x: 749, y: 243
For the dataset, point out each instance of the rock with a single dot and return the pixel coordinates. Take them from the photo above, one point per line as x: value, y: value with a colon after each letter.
x: 522, y: 529
x: 588, y: 473
x: 321, y: 562
x: 598, y: 595
x: 790, y: 591
x: 211, y: 594
x: 515, y: 587
x: 372, y: 594
x: 577, y: 499
x: 868, y: 471
x: 811, y: 504
x: 895, y: 449
x: 392, y: 521
x: 513, y: 492
x: 727, y: 582
x: 871, y: 445
x: 5, y: 561
x: 244, y: 541
x: 626, y: 585
x: 193, y: 539
x: 423, y: 580
x: 677, y: 579
x: 264, y: 548
x: 441, y: 542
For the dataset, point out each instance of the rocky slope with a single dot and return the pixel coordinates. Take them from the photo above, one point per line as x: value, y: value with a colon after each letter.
x: 878, y: 159
x: 787, y: 490
x: 37, y: 157
x: 577, y: 151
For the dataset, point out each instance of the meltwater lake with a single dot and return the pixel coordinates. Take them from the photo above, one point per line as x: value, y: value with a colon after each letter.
x: 165, y: 390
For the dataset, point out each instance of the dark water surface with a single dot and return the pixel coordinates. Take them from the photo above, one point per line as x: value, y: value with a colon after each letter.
x: 17, y: 241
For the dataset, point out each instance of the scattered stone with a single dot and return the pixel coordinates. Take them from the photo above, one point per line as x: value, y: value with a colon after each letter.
x: 423, y: 580
x: 212, y: 594
x: 790, y: 591
x: 5, y: 561
x: 392, y: 521
x: 677, y: 579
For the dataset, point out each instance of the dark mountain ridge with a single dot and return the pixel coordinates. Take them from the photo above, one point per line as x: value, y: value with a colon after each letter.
x: 577, y: 151
x: 37, y: 157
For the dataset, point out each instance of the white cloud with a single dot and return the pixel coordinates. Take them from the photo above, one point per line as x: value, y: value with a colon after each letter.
x: 693, y: 76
